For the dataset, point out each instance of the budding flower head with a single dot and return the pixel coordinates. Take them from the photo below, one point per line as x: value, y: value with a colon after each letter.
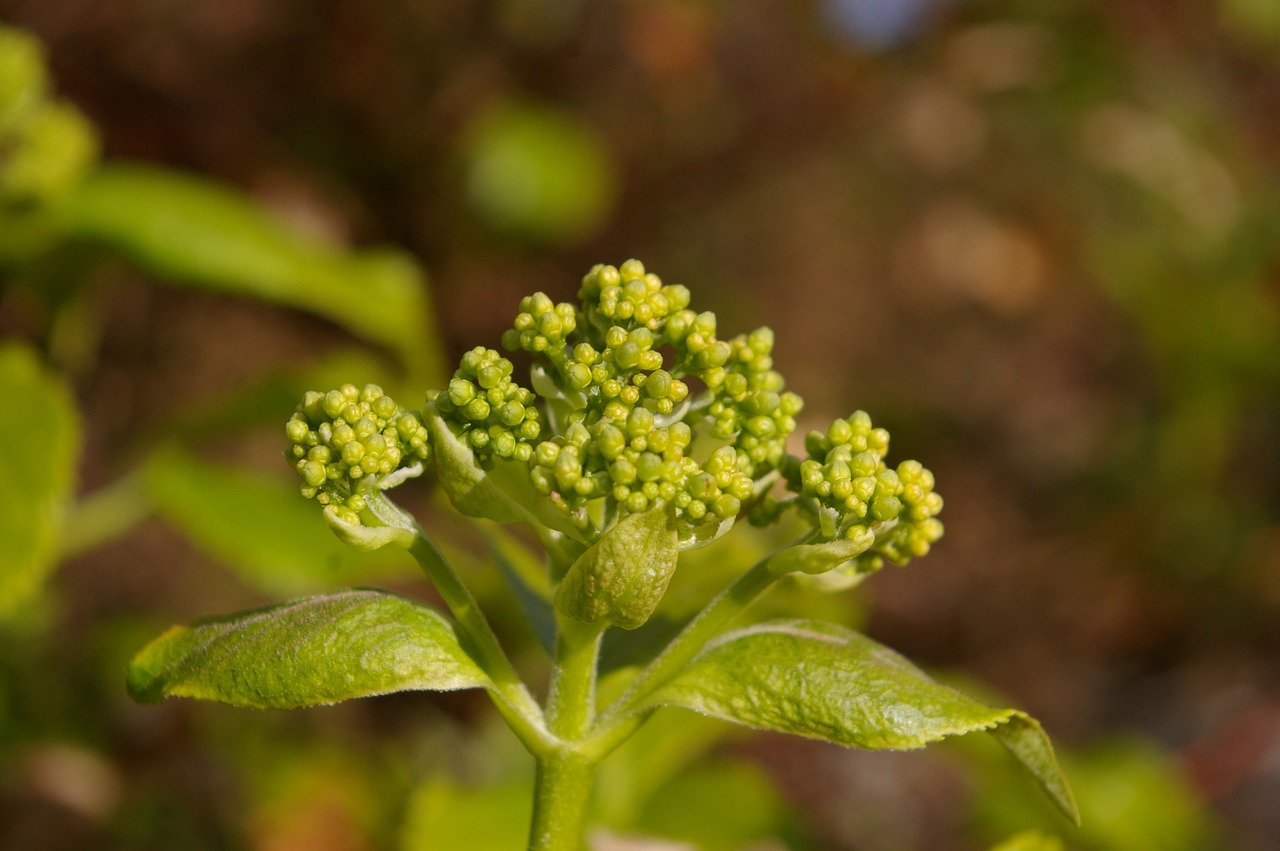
x: 634, y: 401
x: 852, y: 490
x: 346, y: 441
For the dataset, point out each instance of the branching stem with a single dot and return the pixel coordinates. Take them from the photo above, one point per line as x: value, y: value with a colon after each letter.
x: 517, y: 706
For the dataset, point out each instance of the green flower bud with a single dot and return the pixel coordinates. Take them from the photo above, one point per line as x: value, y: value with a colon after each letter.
x: 346, y: 439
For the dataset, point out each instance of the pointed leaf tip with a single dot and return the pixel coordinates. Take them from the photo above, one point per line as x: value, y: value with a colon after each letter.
x: 824, y: 681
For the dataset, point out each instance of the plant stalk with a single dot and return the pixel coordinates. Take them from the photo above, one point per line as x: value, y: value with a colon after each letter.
x: 565, y: 776
x: 512, y: 698
x: 564, y: 781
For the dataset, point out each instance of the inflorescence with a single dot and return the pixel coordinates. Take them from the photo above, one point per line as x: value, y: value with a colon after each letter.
x: 344, y: 442
x: 633, y: 401
x: 851, y: 490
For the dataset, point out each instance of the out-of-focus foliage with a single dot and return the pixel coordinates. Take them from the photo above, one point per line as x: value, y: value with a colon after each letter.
x: 39, y: 443
x: 192, y: 231
x: 1030, y: 841
x: 538, y: 172
x: 1132, y: 797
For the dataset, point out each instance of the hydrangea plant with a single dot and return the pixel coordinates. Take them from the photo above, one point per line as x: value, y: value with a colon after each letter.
x: 637, y: 433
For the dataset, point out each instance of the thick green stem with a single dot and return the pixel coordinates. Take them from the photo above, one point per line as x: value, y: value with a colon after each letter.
x: 564, y: 781
x: 513, y: 700
x: 571, y: 700
x: 622, y: 717
x: 565, y: 776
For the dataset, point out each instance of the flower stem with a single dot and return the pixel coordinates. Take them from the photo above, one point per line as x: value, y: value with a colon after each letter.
x: 571, y: 700
x: 517, y: 706
x: 564, y: 781
x: 565, y: 775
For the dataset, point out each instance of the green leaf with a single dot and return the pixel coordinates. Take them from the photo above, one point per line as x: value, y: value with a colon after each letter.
x: 621, y: 578
x: 23, y: 81
x: 827, y: 682
x: 196, y: 232
x: 463, y: 480
x: 259, y: 526
x: 317, y: 650
x: 1030, y: 840
x: 723, y: 806
x: 664, y: 748
x: 39, y: 444
x: 443, y: 815
x: 1133, y: 796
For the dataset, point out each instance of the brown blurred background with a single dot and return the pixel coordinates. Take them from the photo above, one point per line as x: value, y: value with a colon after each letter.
x: 1036, y: 241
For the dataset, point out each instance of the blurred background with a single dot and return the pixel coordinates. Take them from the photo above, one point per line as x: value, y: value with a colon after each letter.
x: 1038, y: 242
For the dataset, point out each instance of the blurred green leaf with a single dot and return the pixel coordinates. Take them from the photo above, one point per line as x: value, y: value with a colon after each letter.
x: 317, y: 650
x: 527, y: 579
x: 662, y: 749
x: 539, y: 172
x: 196, y: 232
x: 823, y: 681
x: 718, y: 807
x: 51, y: 152
x: 39, y: 445
x: 259, y: 526
x: 1031, y: 840
x: 441, y: 815
x: 1132, y: 797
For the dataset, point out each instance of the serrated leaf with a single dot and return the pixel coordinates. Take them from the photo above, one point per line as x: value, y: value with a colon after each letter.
x: 827, y: 682
x: 196, y: 232
x: 621, y: 578
x: 258, y: 525
x: 308, y: 652
x: 39, y: 444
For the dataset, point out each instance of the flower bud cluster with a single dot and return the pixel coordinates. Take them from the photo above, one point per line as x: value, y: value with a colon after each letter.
x: 846, y: 476
x: 541, y: 326
x: 750, y: 406
x: 615, y: 379
x: 630, y: 297
x: 629, y: 417
x: 46, y: 145
x: 485, y: 407
x: 345, y: 440
x: 634, y: 403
